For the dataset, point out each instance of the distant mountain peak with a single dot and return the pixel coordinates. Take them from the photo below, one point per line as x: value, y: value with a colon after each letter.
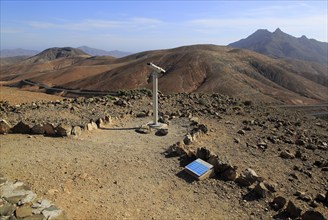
x: 56, y: 53
x: 17, y: 52
x: 304, y: 37
x: 278, y: 30
x: 283, y: 45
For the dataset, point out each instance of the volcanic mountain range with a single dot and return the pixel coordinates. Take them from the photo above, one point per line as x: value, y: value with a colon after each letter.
x: 282, y: 45
x: 197, y: 68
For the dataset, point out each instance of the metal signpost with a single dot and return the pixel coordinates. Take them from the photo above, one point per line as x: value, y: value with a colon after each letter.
x: 157, y: 71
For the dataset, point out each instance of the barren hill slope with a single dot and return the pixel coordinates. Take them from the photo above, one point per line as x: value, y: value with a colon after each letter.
x: 197, y: 68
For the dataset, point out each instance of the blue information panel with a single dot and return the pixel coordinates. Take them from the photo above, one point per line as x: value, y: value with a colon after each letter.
x: 199, y: 167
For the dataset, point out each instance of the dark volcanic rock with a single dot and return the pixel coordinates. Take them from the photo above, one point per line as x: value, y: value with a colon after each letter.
x: 312, y: 215
x: 21, y: 128
x: 37, y: 129
x: 49, y: 129
x: 247, y: 177
x: 261, y: 190
x: 292, y: 210
x: 278, y: 203
x: 64, y: 130
x: 203, y: 153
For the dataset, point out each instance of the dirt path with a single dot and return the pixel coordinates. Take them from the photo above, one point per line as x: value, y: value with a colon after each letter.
x: 111, y: 174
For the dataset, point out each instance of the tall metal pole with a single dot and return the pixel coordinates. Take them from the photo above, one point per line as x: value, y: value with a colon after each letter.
x: 157, y: 71
x: 155, y: 98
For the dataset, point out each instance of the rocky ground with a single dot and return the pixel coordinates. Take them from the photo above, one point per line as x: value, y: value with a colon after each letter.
x: 269, y: 162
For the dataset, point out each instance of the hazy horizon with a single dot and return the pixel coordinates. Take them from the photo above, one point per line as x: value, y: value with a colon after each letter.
x: 135, y: 26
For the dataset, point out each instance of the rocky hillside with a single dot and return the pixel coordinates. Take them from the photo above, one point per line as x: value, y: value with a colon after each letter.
x: 197, y: 68
x: 269, y: 163
x: 5, y: 61
x: 282, y: 45
x: 56, y: 53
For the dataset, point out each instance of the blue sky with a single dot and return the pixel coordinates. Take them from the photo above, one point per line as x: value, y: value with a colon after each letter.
x: 146, y: 25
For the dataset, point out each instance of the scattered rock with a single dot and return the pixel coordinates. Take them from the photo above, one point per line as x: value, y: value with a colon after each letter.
x: 53, y: 213
x: 63, y: 130
x: 4, y: 127
x: 93, y: 125
x: 300, y: 142
x: 141, y: 115
x: 247, y: 177
x: 107, y: 119
x: 312, y: 215
x: 292, y: 210
x: 188, y: 139
x: 24, y: 211
x: 21, y: 128
x: 271, y: 186
x: 242, y: 132
x: 37, y: 129
x: 262, y: 145
x: 121, y: 103
x: 236, y: 140
x: 287, y: 155
x: 20, y: 203
x: 203, y: 153
x: 278, y: 203
x: 223, y: 164
x: 320, y: 197
x: 229, y: 174
x: 261, y: 190
x: 100, y: 122
x: 77, y: 131
x: 7, y: 209
x: 49, y: 129
x: 144, y: 129
x: 162, y: 132
x: 203, y: 128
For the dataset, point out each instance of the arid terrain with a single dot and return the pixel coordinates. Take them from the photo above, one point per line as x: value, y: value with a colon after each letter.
x: 114, y: 172
x: 196, y: 68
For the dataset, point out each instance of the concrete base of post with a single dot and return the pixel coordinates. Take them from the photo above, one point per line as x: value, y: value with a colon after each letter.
x: 157, y: 125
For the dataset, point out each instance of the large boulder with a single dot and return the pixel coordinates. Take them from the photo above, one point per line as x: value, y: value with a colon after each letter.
x: 4, y: 127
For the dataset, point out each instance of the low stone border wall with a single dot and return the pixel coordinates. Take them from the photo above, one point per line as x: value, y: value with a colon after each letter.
x: 49, y: 129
